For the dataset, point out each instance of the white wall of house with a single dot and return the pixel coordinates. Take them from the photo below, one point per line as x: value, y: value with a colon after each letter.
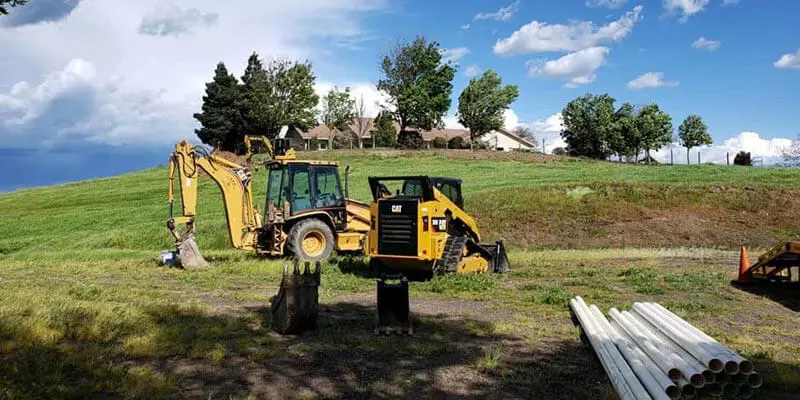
x: 498, y: 139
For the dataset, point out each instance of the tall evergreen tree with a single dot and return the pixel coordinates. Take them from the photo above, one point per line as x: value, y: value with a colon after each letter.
x: 220, y: 117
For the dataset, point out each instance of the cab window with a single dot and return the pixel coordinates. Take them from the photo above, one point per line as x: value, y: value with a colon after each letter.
x: 301, y: 189
x: 274, y: 192
x: 329, y: 191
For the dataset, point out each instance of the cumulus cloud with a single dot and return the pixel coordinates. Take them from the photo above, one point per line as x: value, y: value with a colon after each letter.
x: 769, y: 150
x: 606, y: 3
x: 549, y: 130
x: 650, y: 80
x: 706, y: 44
x: 465, y: 27
x: 537, y: 37
x: 472, y: 71
x: 39, y: 11
x: 61, y: 85
x: 789, y: 60
x: 454, y: 55
x: 577, y: 68
x: 502, y: 14
x: 684, y: 8
x: 175, y: 21
x: 374, y: 100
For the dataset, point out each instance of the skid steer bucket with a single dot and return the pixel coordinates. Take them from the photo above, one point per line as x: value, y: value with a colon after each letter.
x: 392, y: 313
x: 295, y: 307
x: 189, y: 254
x: 500, y: 263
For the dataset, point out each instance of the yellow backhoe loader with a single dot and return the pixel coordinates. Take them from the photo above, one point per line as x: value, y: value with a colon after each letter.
x: 308, y: 215
x: 420, y: 228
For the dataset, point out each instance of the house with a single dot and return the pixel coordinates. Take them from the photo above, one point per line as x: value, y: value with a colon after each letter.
x: 363, y: 128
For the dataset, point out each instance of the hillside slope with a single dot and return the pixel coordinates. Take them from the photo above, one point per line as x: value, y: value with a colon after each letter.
x: 530, y: 201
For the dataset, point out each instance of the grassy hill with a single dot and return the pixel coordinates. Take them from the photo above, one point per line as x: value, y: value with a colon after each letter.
x: 530, y: 201
x: 88, y: 313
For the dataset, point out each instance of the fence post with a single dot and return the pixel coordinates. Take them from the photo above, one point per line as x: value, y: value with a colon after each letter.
x: 671, y: 160
x: 698, y: 157
x: 728, y: 158
x: 544, y: 148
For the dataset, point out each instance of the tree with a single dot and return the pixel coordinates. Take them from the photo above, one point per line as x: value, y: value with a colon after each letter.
x: 338, y: 109
x: 384, y: 133
x: 743, y: 158
x: 626, y: 139
x: 693, y: 132
x: 361, y: 124
x: 6, y: 4
x: 417, y: 84
x: 655, y: 128
x: 525, y: 132
x: 220, y: 116
x: 588, y: 123
x: 410, y: 140
x: 456, y: 142
x: 282, y: 93
x: 482, y: 103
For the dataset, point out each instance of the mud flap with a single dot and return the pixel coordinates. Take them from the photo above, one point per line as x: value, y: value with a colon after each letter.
x: 189, y: 255
x: 295, y: 307
x: 392, y: 314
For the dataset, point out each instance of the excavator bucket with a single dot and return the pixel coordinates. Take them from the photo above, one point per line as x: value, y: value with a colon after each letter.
x: 189, y: 254
x: 295, y: 307
x: 392, y: 314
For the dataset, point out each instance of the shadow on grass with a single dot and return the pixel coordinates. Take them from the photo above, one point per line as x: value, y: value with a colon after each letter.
x: 191, y: 353
x: 353, y: 265
x: 786, y: 294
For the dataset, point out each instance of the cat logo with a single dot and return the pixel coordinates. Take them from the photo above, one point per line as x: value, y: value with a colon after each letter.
x: 397, y: 208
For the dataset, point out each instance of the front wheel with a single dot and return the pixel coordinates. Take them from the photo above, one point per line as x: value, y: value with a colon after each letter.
x: 310, y: 240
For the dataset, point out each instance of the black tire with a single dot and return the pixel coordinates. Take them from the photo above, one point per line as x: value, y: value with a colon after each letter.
x: 299, y: 232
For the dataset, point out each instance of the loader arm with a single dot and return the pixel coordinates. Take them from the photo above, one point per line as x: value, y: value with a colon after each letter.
x: 234, y: 182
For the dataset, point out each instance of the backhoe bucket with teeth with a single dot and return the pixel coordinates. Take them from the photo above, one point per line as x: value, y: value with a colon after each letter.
x: 295, y: 307
x: 189, y: 255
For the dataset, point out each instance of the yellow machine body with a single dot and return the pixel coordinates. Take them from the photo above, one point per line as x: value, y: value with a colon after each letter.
x: 331, y: 222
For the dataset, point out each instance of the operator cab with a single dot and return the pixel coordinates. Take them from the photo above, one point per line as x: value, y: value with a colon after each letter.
x: 417, y: 187
x: 299, y: 187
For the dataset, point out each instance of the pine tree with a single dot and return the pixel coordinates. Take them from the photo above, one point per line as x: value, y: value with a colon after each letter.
x: 220, y: 118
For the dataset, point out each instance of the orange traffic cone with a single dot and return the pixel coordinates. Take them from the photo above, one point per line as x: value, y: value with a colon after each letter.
x: 744, y: 267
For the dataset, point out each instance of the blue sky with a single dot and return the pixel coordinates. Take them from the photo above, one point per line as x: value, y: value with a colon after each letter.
x: 98, y: 87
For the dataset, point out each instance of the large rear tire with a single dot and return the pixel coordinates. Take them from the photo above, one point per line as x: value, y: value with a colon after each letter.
x: 310, y: 240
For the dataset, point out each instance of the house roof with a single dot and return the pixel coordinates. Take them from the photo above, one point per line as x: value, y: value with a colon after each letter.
x: 518, y: 138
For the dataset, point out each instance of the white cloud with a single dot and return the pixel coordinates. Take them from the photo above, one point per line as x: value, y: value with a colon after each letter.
x: 472, y: 71
x: 706, y: 44
x: 502, y: 14
x: 650, y: 80
x: 373, y: 99
x: 770, y: 150
x: 144, y: 88
x: 577, y: 68
x: 538, y: 36
x: 606, y: 3
x: 789, y: 60
x: 685, y: 8
x: 465, y: 27
x: 454, y: 55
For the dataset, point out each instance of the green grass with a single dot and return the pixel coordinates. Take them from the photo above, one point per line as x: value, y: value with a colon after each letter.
x: 87, y: 312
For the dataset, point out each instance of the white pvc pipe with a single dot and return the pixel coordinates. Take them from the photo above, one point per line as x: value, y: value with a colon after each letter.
x: 746, y: 392
x: 612, y: 370
x: 693, y: 373
x: 687, y: 388
x: 745, y: 366
x: 650, y: 347
x: 754, y: 380
x: 675, y: 348
x: 657, y: 383
x: 678, y: 335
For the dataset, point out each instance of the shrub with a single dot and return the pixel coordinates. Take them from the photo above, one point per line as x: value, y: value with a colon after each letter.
x: 410, y: 140
x: 559, y: 151
x: 456, y: 143
x: 743, y: 158
x: 439, y: 143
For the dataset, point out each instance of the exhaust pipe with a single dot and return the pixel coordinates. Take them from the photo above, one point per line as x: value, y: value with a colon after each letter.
x: 347, y: 182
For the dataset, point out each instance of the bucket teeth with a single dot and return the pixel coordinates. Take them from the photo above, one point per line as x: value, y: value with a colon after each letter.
x: 295, y: 307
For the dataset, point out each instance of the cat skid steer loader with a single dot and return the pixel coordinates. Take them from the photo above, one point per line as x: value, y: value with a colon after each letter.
x: 418, y: 230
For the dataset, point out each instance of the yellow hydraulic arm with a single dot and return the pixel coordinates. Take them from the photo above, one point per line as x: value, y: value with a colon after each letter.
x: 233, y: 180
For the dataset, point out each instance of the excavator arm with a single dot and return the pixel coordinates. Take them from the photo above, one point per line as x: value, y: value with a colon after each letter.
x: 233, y: 180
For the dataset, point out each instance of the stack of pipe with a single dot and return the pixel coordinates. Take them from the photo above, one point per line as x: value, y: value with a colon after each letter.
x: 651, y: 353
